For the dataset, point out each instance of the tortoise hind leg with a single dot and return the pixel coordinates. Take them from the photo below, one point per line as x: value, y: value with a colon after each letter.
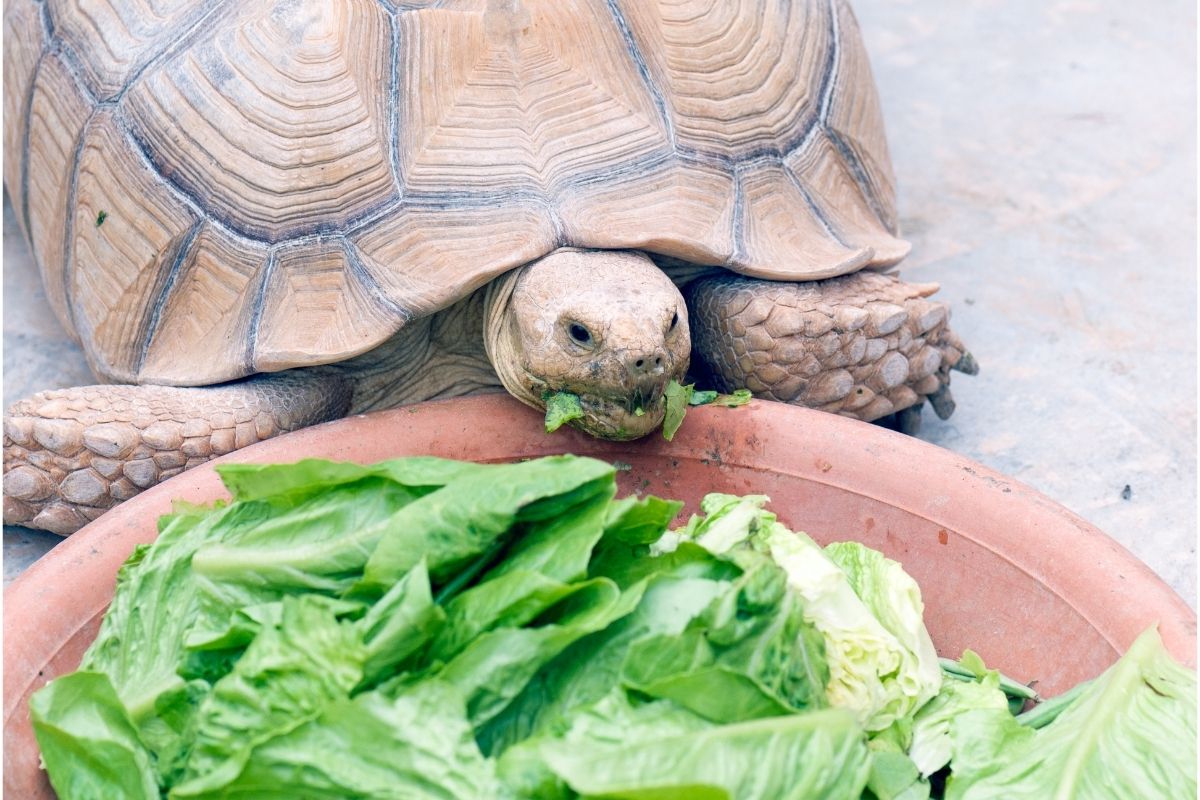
x: 865, y: 345
x: 69, y: 454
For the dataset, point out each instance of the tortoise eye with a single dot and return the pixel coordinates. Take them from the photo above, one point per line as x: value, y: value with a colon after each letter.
x: 579, y: 334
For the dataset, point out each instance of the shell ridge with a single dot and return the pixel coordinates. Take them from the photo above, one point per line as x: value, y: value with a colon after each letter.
x: 400, y: 8
x: 817, y: 211
x: 848, y: 156
x: 68, y: 271
x: 56, y: 44
x: 142, y: 148
x: 256, y: 310
x: 363, y: 275
x: 738, y: 256
x: 860, y: 176
x: 828, y: 78
x: 27, y: 124
x: 393, y: 102
x: 181, y: 253
x: 631, y: 47
x: 188, y: 29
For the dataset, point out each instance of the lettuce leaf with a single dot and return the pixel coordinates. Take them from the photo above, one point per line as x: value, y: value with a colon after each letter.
x: 210, y: 563
x: 495, y: 666
x: 416, y: 746
x: 894, y: 598
x: 894, y: 776
x: 592, y: 667
x: 675, y: 401
x: 932, y: 745
x: 657, y: 750
x: 404, y: 620
x: 561, y: 408
x: 458, y: 523
x: 882, y: 664
x: 408, y: 628
x: 89, y: 744
x: 749, y: 654
x: 287, y: 675
x: 1131, y: 733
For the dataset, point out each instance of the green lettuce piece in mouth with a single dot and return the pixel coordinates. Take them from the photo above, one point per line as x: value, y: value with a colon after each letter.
x: 561, y: 408
x: 704, y: 397
x: 676, y: 396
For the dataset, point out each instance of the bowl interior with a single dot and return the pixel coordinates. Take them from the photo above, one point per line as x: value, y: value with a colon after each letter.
x: 1036, y: 591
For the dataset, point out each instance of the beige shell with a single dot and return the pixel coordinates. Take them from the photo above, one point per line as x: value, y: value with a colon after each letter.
x: 213, y: 189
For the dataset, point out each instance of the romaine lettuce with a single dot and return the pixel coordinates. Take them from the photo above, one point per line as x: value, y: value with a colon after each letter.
x: 1131, y: 733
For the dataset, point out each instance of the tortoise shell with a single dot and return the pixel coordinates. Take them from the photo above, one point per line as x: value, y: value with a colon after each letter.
x: 213, y: 189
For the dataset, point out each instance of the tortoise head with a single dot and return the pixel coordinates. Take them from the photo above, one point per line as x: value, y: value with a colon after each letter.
x: 607, y: 326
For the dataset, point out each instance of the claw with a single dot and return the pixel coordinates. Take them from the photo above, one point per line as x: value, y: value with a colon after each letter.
x: 967, y: 364
x: 942, y: 402
x: 925, y: 289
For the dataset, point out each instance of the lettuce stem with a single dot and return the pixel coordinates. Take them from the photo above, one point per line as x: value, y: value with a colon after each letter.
x: 1047, y: 711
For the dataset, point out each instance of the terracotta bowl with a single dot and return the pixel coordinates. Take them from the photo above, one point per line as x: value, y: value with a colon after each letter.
x: 1038, y: 592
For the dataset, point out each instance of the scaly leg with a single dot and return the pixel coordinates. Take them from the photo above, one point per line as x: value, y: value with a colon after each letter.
x: 70, y: 454
x: 863, y: 345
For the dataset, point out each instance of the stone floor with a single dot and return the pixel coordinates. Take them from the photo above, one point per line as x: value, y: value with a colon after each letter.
x: 1045, y: 154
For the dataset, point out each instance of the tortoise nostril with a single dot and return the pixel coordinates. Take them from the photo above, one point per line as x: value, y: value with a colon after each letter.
x: 645, y: 364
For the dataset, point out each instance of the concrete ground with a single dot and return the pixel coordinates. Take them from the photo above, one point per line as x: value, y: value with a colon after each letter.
x: 1045, y: 154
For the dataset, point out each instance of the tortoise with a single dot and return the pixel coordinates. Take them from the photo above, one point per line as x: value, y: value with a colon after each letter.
x: 257, y: 216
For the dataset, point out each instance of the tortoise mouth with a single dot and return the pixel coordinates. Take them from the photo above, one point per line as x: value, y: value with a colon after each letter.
x: 619, y: 415
x: 629, y: 416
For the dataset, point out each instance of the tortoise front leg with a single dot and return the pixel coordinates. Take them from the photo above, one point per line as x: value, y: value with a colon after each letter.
x: 69, y: 454
x: 864, y: 345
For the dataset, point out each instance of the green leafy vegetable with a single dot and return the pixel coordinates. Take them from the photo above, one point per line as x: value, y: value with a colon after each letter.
x: 561, y: 408
x: 971, y: 667
x: 881, y: 661
x: 287, y: 676
x: 931, y: 743
x: 894, y: 776
x: 621, y: 750
x: 894, y: 599
x: 450, y: 527
x: 89, y: 744
x: 423, y: 628
x: 705, y: 397
x: 416, y: 745
x: 1131, y: 733
x: 749, y: 654
x: 676, y: 398
x: 404, y: 620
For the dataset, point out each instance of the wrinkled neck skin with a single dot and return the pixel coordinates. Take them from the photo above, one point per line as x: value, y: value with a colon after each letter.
x: 605, y: 325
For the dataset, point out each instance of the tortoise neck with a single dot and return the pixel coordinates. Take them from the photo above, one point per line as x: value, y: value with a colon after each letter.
x: 500, y: 337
